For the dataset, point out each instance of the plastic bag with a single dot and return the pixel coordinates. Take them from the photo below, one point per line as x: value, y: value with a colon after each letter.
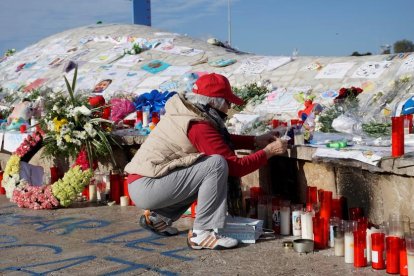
x: 347, y: 124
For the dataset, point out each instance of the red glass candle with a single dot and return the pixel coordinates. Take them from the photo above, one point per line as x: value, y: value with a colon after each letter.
x: 392, y: 245
x: 255, y: 192
x: 362, y: 223
x: 139, y: 115
x: 116, y: 184
x: 85, y: 192
x: 397, y: 136
x: 275, y: 123
x: 54, y: 174
x: 336, y: 210
x: 360, y: 248
x: 294, y: 122
x: 378, y: 250
x: 320, y: 195
x: 355, y: 213
x: 318, y: 223
x: 193, y: 209
x: 2, y: 190
x: 126, y: 191
x: 403, y: 259
x: 325, y: 213
x: 155, y: 118
x: 311, y: 195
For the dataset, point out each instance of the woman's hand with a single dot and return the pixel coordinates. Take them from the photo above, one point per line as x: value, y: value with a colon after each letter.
x: 267, y: 138
x: 277, y: 147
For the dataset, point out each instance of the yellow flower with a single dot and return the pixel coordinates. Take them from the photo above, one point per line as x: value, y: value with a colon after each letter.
x: 59, y: 123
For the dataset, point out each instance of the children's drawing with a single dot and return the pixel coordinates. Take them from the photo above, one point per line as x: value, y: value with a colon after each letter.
x: 407, y: 66
x: 371, y: 70
x: 334, y: 70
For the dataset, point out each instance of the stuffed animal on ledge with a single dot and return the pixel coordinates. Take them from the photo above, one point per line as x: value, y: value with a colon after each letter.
x: 21, y: 114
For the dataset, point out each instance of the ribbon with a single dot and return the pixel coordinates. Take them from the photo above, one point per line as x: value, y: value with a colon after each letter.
x: 154, y: 99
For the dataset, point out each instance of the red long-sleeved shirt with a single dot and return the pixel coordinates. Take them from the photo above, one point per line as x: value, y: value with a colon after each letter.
x: 206, y: 139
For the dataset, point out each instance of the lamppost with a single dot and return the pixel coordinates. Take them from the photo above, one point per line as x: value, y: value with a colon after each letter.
x: 229, y: 22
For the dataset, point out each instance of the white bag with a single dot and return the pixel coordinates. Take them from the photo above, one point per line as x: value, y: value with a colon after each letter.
x: 245, y: 230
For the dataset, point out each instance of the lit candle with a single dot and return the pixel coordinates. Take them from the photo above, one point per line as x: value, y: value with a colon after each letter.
x: 339, y: 241
x: 307, y: 225
x: 349, y: 247
x: 370, y: 231
x: 92, y: 193
x: 124, y: 201
x: 410, y: 262
x: 349, y: 241
x: 332, y: 223
x: 285, y: 220
x: 145, y: 116
x: 296, y: 221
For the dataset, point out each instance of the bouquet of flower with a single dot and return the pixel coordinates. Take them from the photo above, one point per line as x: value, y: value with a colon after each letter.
x: 11, y: 176
x: 35, y: 197
x: 71, y: 126
x: 345, y: 103
x: 72, y: 183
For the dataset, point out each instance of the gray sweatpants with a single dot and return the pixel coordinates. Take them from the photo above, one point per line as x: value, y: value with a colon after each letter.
x: 171, y: 195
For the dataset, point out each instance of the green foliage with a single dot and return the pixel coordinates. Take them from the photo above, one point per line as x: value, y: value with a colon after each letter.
x: 357, y: 54
x: 10, y: 52
x: 403, y: 46
x: 377, y: 129
x: 250, y: 93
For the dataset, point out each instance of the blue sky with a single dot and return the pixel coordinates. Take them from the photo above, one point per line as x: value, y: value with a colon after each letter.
x: 270, y: 27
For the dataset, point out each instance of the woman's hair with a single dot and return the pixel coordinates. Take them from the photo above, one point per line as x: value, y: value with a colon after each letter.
x: 215, y: 102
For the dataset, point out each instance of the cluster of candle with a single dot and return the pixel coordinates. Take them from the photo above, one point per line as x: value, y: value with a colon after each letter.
x: 147, y: 119
x: 388, y: 246
x: 295, y: 131
x: 104, y: 187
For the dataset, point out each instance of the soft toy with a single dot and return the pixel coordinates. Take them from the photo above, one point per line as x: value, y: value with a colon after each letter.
x: 21, y: 114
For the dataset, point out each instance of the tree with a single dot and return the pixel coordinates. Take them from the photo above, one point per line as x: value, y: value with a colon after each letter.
x: 357, y: 54
x: 403, y: 46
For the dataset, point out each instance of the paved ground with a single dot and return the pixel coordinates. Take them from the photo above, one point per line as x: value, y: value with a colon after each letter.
x: 106, y: 240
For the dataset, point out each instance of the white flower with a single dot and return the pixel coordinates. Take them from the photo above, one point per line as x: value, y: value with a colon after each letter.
x: 55, y: 108
x: 81, y: 110
x: 90, y: 130
x: 80, y: 134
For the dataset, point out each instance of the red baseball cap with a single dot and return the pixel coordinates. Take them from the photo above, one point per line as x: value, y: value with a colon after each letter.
x: 216, y: 85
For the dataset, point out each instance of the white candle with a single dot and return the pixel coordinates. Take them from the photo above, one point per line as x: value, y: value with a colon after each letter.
x: 349, y: 247
x: 307, y: 225
x: 410, y: 262
x: 124, y: 201
x: 339, y: 246
x: 92, y: 193
x: 296, y: 223
x: 285, y: 221
x: 145, y: 119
